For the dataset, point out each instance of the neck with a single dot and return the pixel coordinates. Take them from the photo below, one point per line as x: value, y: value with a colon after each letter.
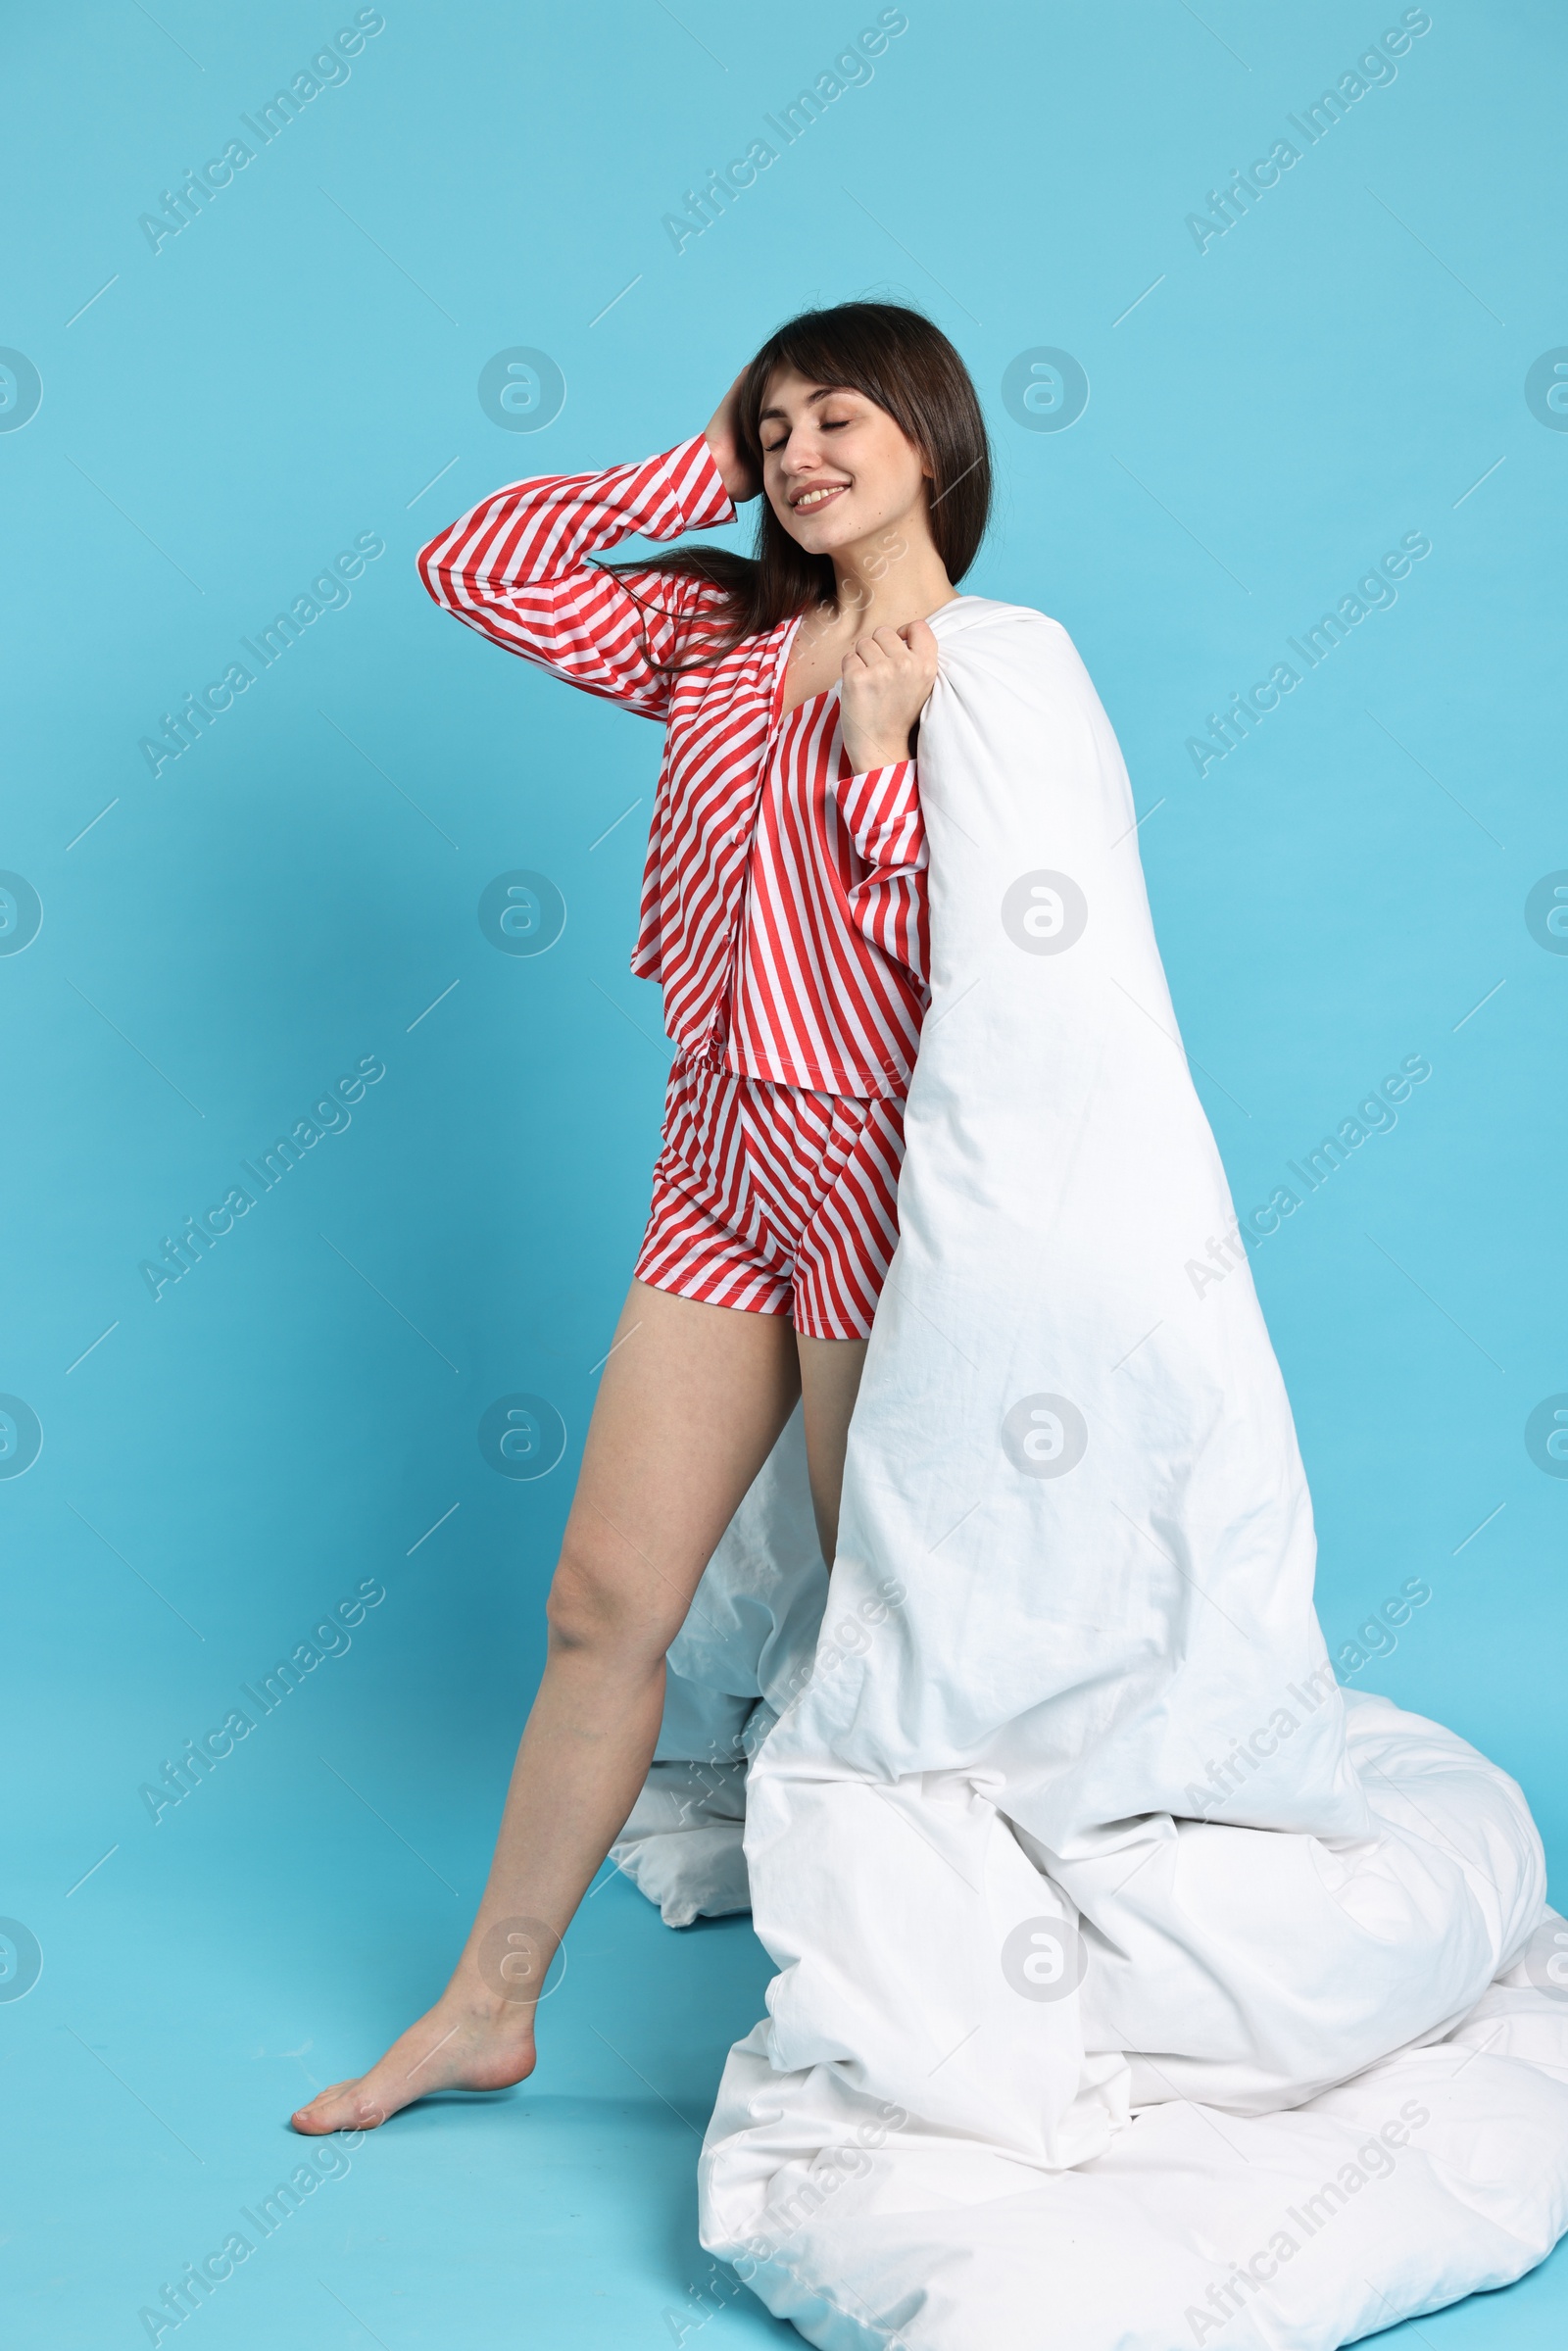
x: 881, y: 589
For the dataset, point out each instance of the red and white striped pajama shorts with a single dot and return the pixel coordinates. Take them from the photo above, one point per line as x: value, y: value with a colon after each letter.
x: 773, y: 1200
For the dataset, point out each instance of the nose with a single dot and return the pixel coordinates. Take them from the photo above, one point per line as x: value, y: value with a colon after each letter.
x: 803, y: 458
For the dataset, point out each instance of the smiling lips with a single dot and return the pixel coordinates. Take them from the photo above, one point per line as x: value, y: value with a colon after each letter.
x: 817, y: 495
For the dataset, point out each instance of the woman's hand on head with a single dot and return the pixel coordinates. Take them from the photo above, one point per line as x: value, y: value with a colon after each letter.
x: 887, y: 678
x: 740, y: 477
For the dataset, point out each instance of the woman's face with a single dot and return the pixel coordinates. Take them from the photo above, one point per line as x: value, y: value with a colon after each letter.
x: 836, y: 469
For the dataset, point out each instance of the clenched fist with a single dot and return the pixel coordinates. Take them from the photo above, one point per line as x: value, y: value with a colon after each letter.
x: 887, y: 678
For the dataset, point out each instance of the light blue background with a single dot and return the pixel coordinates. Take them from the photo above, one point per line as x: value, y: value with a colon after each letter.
x: 1345, y: 365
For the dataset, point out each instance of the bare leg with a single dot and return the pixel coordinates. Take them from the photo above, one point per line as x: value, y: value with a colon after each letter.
x: 830, y: 1380
x: 692, y: 1400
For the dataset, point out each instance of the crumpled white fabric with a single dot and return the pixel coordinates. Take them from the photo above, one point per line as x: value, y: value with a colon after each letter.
x: 1111, y: 1934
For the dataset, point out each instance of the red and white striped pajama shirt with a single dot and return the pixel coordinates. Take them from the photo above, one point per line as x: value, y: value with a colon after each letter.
x: 783, y: 904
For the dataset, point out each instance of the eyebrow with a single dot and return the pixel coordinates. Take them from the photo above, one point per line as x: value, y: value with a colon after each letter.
x: 824, y: 392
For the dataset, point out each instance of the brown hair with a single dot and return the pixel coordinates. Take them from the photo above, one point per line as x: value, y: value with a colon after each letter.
x: 897, y: 357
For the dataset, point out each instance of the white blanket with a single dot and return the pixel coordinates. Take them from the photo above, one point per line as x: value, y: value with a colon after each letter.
x: 1137, y: 1985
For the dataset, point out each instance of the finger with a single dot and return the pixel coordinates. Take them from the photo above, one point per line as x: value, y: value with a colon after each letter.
x: 922, y: 653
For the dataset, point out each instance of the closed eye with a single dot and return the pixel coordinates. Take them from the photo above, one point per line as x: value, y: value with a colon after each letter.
x: 827, y: 424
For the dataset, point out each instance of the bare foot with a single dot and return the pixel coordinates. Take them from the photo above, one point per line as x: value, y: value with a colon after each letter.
x: 467, y: 2041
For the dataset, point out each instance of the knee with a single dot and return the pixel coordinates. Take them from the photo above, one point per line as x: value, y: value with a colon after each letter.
x: 599, y: 1604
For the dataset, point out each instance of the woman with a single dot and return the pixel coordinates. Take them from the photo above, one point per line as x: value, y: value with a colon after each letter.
x: 783, y: 909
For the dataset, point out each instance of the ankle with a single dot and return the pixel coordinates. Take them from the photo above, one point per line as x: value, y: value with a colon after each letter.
x: 503, y: 1971
x: 469, y: 2001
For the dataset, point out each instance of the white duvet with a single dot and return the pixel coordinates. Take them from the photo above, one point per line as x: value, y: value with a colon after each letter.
x: 1139, y: 1988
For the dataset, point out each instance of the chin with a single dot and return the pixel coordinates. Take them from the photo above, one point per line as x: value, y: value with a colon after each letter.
x: 835, y: 529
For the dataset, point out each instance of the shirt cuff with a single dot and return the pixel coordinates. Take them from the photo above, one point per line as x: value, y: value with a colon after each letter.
x: 697, y: 485
x: 881, y: 806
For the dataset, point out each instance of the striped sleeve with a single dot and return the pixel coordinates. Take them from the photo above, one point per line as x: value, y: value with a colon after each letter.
x: 887, y: 904
x: 517, y: 567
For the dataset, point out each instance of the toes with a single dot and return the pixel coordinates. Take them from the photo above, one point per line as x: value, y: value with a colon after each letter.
x: 333, y: 2089
x: 309, y: 2123
x: 341, y: 2107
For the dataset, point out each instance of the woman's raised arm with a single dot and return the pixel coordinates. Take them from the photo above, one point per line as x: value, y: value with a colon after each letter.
x: 516, y: 568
